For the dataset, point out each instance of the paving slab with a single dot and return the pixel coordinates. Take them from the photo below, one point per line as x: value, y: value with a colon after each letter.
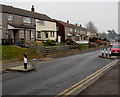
x: 112, y: 57
x: 21, y: 68
x: 106, y: 85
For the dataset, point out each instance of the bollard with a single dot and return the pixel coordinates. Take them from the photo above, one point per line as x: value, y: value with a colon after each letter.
x: 103, y: 53
x: 25, y: 60
x: 109, y: 52
x: 106, y: 52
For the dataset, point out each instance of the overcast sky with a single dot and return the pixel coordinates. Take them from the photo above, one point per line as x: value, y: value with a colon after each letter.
x: 104, y: 15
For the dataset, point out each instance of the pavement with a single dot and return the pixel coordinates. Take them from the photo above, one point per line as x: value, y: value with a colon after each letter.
x: 105, y: 85
x: 8, y: 67
x: 21, y: 68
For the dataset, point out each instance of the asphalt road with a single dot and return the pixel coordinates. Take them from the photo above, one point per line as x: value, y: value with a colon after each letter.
x: 53, y: 76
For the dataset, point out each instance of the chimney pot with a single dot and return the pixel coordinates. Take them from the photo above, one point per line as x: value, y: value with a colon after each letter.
x: 67, y: 21
x: 32, y: 9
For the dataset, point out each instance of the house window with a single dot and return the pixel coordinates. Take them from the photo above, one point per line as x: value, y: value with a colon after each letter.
x: 26, y: 20
x: 52, y: 34
x: 22, y: 33
x: 32, y: 34
x: 71, y: 29
x: 46, y: 35
x: 26, y: 32
x: 38, y: 34
x: 41, y: 22
x: 6, y: 34
x: 10, y: 17
x: 75, y: 30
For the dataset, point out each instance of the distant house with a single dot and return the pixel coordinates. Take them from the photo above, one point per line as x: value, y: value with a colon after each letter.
x: 18, y: 24
x: 70, y: 31
x: 91, y: 33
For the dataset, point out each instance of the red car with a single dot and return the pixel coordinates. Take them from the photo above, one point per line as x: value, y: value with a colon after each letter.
x: 115, y: 49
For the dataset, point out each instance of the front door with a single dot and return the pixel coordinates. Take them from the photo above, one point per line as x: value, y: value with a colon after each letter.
x: 15, y: 36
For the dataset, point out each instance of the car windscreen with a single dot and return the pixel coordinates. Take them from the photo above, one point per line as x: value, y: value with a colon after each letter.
x: 116, y: 46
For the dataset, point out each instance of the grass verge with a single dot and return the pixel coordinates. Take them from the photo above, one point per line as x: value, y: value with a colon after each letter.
x: 14, y: 53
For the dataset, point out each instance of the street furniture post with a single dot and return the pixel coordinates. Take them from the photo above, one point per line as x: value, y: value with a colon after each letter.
x: 25, y: 60
x: 103, y: 53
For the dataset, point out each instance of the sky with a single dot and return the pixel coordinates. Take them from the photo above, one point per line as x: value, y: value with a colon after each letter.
x: 103, y: 13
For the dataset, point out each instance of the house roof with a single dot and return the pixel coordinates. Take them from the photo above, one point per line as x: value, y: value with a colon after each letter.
x: 70, y: 25
x: 26, y: 13
x: 21, y: 26
x: 75, y: 26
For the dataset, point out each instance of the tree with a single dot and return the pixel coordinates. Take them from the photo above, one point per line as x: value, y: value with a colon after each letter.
x: 111, y: 34
x: 90, y: 25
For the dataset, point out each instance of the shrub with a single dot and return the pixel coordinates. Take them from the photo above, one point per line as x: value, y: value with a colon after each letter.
x: 6, y: 41
x: 50, y: 43
x: 69, y: 42
x: 39, y: 42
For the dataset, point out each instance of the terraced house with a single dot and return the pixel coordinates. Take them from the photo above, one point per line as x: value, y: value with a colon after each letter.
x: 71, y: 31
x: 46, y: 30
x: 23, y: 25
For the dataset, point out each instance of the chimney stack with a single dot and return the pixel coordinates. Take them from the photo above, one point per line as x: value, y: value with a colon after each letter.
x: 67, y: 21
x: 33, y: 9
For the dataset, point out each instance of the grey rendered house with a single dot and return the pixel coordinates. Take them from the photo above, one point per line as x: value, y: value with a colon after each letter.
x: 18, y: 24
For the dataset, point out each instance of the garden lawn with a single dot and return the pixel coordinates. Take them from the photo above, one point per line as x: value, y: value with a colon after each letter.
x: 14, y: 52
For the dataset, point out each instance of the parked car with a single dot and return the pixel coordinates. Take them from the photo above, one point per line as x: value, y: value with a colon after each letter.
x: 115, y: 49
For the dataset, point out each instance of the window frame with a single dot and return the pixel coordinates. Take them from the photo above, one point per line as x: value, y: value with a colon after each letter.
x: 10, y: 17
x: 41, y: 22
x: 27, y: 20
x: 38, y: 34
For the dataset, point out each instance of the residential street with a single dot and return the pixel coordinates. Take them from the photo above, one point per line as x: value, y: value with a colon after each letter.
x: 53, y: 76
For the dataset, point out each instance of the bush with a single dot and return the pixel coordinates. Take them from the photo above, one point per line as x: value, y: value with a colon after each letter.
x: 7, y: 41
x: 92, y: 45
x: 21, y: 43
x: 39, y: 42
x: 70, y: 42
x: 50, y: 43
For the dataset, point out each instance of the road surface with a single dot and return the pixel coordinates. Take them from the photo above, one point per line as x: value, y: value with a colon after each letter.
x: 53, y: 76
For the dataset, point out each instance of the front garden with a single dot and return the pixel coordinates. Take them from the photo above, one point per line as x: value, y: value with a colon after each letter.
x: 38, y: 49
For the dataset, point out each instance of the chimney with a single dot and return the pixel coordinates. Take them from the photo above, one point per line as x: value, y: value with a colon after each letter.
x: 67, y: 21
x: 33, y: 9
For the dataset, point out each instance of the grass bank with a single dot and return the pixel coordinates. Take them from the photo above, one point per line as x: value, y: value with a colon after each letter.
x: 10, y: 52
